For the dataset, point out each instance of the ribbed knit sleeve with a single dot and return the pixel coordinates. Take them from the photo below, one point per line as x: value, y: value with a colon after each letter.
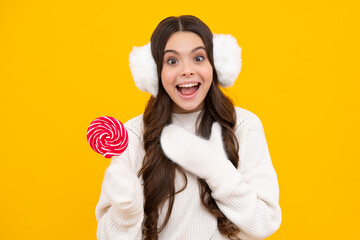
x: 249, y: 195
x: 114, y: 224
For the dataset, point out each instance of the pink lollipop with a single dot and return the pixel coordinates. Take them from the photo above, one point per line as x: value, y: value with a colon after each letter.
x: 107, y: 136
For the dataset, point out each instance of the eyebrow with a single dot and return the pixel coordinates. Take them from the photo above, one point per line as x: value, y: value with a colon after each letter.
x: 195, y: 49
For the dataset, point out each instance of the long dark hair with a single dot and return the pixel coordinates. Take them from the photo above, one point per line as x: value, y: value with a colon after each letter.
x: 157, y: 170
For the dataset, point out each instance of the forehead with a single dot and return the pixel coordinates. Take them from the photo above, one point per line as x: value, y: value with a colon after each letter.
x: 183, y: 41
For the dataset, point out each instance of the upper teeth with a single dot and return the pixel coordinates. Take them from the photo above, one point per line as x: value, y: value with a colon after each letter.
x: 188, y: 85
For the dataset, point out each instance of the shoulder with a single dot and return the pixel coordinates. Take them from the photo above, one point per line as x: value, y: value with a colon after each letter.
x: 134, y: 152
x: 246, y: 120
x: 250, y: 134
x: 135, y: 127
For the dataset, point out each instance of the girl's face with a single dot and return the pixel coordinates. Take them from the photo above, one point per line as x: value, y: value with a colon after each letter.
x: 187, y: 73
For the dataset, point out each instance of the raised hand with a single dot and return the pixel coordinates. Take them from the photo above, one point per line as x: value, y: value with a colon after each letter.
x: 202, y: 157
x: 123, y: 188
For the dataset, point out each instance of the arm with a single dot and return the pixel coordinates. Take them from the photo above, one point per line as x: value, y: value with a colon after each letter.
x: 119, y: 211
x: 248, y: 197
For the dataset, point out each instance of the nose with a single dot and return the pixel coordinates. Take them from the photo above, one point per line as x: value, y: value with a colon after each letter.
x: 187, y: 69
x: 187, y: 74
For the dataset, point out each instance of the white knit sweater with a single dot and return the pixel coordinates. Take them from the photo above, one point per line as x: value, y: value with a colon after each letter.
x: 249, y: 196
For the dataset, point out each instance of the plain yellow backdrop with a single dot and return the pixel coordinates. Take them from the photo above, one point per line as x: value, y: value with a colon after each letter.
x: 65, y: 63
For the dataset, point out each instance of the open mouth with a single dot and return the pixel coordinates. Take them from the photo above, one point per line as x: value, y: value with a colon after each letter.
x: 188, y: 89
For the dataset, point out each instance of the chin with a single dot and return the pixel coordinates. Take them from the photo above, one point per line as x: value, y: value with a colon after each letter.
x: 187, y: 108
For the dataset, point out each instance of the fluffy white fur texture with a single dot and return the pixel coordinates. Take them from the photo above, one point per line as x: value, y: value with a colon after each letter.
x: 143, y: 69
x: 227, y: 60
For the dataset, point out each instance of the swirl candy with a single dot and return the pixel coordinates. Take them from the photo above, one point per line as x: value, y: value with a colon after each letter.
x: 107, y: 136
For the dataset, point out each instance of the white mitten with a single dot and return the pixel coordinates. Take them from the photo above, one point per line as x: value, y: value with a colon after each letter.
x: 123, y: 187
x: 204, y: 158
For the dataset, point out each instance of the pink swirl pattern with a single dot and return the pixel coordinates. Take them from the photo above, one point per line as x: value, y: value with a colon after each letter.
x: 107, y: 136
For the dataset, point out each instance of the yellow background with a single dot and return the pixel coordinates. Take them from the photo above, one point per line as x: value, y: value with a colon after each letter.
x: 65, y: 63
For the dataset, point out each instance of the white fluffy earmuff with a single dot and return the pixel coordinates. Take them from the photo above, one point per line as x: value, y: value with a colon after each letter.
x: 227, y: 61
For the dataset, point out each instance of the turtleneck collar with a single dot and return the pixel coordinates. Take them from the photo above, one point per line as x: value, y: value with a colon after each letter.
x: 186, y: 120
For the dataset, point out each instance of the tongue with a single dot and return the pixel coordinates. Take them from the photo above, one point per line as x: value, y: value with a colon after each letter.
x: 188, y: 90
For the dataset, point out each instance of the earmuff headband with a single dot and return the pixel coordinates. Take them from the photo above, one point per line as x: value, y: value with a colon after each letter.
x: 227, y: 61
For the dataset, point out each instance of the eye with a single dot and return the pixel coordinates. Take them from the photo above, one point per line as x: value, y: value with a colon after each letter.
x: 171, y: 61
x: 199, y: 58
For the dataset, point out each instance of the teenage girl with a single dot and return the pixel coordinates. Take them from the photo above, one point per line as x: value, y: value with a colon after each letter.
x: 196, y: 168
